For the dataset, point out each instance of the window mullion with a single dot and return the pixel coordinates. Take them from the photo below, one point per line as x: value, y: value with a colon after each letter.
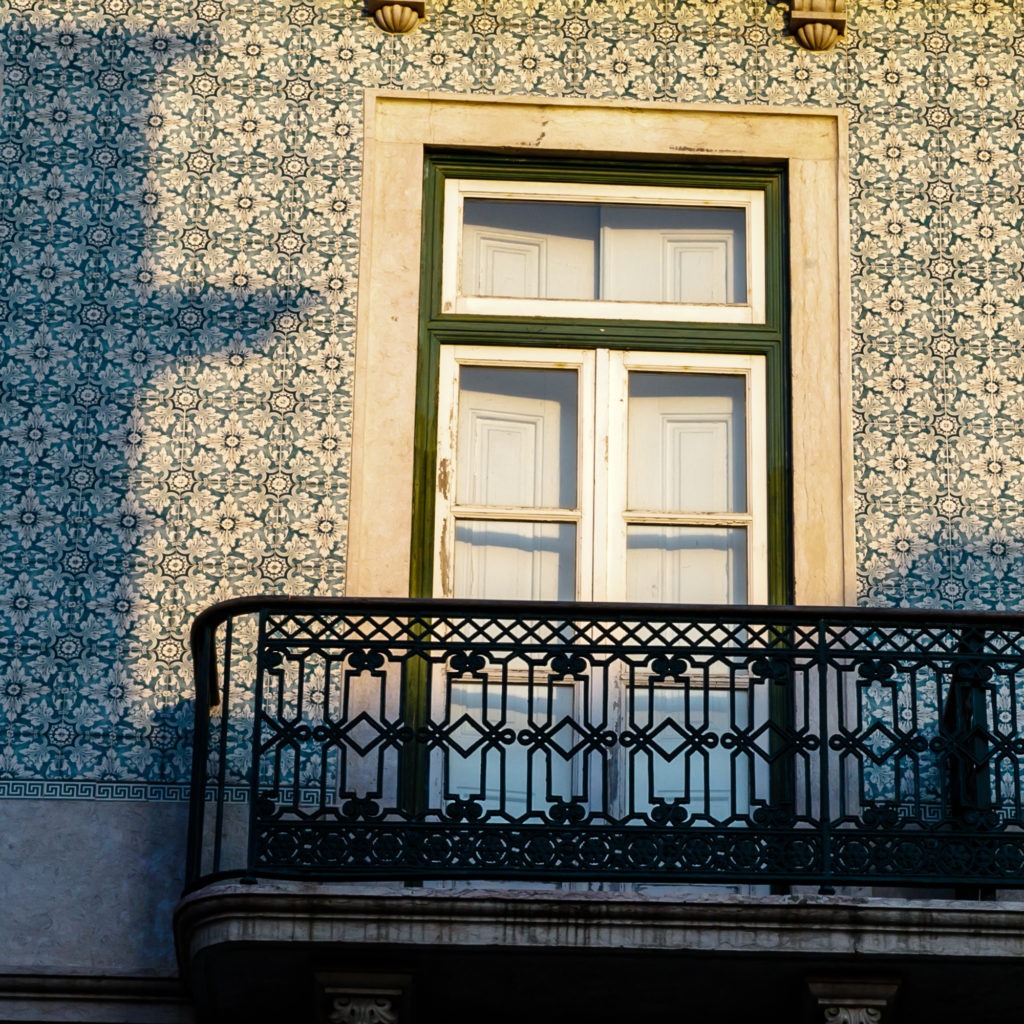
x: 447, y: 468
x: 757, y: 482
x: 613, y: 432
x: 591, y: 479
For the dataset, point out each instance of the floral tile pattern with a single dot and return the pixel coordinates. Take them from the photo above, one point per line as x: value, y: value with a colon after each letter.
x: 179, y: 218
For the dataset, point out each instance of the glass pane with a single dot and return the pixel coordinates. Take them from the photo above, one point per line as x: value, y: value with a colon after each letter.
x: 517, y: 437
x: 513, y: 778
x: 674, y: 254
x: 515, y: 561
x: 686, y: 564
x: 626, y: 252
x: 702, y: 779
x: 687, y: 442
x: 530, y: 250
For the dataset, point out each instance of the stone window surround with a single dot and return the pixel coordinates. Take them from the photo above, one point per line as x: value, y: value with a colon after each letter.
x: 398, y: 128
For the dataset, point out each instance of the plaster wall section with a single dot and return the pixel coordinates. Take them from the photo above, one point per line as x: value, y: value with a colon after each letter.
x: 89, y: 887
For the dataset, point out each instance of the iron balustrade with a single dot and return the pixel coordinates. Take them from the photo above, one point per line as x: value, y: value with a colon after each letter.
x: 345, y: 739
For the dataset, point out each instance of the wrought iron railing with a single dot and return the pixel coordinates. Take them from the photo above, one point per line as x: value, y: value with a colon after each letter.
x: 401, y: 739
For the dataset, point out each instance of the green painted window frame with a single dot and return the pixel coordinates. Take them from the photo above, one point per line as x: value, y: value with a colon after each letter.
x: 768, y: 339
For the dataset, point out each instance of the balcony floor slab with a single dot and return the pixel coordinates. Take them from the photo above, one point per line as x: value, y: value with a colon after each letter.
x: 950, y: 955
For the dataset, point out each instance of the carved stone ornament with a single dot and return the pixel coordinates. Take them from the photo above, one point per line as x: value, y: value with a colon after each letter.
x: 853, y: 1000
x: 397, y: 17
x: 852, y: 1015
x: 357, y: 1008
x: 818, y: 24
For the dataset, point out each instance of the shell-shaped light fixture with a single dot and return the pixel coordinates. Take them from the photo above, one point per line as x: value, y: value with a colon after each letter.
x: 818, y: 24
x: 397, y: 16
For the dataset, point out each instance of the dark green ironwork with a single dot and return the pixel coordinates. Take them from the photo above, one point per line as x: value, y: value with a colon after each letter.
x: 593, y: 741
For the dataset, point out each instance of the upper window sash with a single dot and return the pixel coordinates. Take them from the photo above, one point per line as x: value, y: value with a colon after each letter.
x: 716, y: 232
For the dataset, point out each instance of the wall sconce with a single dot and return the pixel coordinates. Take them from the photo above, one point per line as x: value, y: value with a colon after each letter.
x: 397, y: 17
x: 818, y: 24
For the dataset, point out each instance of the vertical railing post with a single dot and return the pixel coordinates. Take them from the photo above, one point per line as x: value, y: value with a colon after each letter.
x: 965, y: 722
x: 222, y: 746
x: 204, y: 667
x: 782, y: 714
x: 414, y: 712
x: 825, y: 802
x: 257, y: 737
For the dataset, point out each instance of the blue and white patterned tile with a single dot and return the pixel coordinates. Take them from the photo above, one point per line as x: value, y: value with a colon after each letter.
x: 179, y: 217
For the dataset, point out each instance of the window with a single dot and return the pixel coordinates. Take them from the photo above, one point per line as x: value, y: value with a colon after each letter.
x: 399, y: 314
x: 633, y: 469
x: 596, y: 474
x: 632, y: 461
x: 618, y: 251
x: 411, y: 320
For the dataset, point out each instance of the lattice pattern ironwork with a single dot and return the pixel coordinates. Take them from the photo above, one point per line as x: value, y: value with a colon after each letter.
x: 454, y: 740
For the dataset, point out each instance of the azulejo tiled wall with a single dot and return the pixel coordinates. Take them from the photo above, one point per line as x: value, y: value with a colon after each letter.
x: 179, y: 215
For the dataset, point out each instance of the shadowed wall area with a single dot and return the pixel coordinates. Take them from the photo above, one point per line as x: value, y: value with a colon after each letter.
x: 174, y: 400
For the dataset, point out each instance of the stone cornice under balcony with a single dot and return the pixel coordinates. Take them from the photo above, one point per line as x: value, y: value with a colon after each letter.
x: 557, y: 955
x: 384, y: 915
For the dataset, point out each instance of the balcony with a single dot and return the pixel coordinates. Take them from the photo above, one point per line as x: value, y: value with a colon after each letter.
x: 617, y: 802
x: 414, y: 740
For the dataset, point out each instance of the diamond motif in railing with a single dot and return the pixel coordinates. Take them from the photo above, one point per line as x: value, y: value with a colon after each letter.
x: 698, y: 738
x: 900, y: 744
x: 1005, y: 645
x: 758, y: 741
x: 466, y: 735
x: 363, y: 733
x: 278, y: 732
x: 964, y: 746
x: 560, y: 738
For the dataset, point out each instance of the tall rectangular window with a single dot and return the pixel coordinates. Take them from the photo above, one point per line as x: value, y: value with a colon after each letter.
x: 593, y: 471
x: 609, y: 424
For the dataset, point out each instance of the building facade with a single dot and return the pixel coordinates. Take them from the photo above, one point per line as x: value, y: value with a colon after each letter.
x: 231, y: 310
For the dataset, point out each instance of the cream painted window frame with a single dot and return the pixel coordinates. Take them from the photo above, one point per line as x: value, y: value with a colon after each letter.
x: 399, y: 128
x: 449, y: 512
x: 619, y: 517
x: 601, y: 515
x: 454, y: 300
